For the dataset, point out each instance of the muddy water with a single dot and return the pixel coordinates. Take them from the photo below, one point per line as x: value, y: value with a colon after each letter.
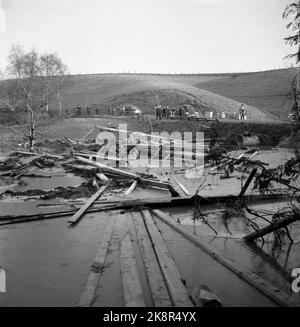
x: 58, y: 178
x: 271, y: 261
x: 197, y: 268
x: 47, y: 263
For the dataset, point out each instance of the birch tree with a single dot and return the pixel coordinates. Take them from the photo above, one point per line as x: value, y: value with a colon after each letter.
x: 35, y: 79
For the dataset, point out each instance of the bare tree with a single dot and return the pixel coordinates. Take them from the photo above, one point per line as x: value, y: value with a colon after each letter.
x: 35, y: 80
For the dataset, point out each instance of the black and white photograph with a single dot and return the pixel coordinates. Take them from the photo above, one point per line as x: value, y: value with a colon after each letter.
x: 149, y: 156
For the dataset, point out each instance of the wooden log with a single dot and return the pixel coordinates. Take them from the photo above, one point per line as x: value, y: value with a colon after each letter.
x: 78, y: 215
x: 272, y: 227
x: 131, y: 188
x: 272, y: 292
x: 177, y: 290
x: 159, y: 291
x: 88, y: 294
x: 132, y: 288
x: 107, y: 168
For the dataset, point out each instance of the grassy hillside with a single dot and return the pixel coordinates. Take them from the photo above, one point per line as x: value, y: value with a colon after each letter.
x: 264, y: 92
x: 270, y: 90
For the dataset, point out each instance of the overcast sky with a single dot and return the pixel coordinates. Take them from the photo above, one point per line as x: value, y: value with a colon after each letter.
x: 183, y: 36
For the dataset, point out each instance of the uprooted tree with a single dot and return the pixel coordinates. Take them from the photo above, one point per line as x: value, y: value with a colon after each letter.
x: 34, y: 81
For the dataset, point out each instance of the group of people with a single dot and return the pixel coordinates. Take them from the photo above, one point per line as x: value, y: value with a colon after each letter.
x: 88, y: 110
x: 164, y: 112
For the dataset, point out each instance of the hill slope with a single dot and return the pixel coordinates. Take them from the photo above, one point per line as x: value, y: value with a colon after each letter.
x: 269, y: 90
x: 264, y: 93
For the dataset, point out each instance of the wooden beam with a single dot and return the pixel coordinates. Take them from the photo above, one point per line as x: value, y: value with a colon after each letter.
x: 75, y: 219
x: 89, y: 291
x: 107, y: 168
x: 159, y: 291
x: 183, y: 188
x: 132, y: 203
x: 120, y: 172
x: 272, y: 292
x: 132, y: 288
x: 131, y: 188
x: 177, y: 290
x: 87, y: 134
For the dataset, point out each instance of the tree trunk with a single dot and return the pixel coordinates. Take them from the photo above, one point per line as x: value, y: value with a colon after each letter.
x: 273, y: 227
x: 31, y: 135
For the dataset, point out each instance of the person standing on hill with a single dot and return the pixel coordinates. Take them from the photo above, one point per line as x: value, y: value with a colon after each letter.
x: 157, y: 112
x: 242, y: 112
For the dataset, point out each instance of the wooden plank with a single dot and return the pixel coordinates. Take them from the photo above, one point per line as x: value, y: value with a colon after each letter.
x: 107, y: 168
x: 131, y: 188
x: 102, y: 178
x: 89, y: 291
x: 124, y: 173
x: 177, y: 290
x: 183, y: 188
x: 274, y: 293
x: 160, y: 295
x: 132, y: 288
x: 87, y: 134
x: 132, y: 203
x: 75, y: 218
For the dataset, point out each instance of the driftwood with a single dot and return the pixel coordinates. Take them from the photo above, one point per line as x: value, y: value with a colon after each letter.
x: 274, y: 226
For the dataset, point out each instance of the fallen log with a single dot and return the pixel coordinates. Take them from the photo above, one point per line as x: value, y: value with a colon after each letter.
x: 75, y: 219
x: 274, y: 226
